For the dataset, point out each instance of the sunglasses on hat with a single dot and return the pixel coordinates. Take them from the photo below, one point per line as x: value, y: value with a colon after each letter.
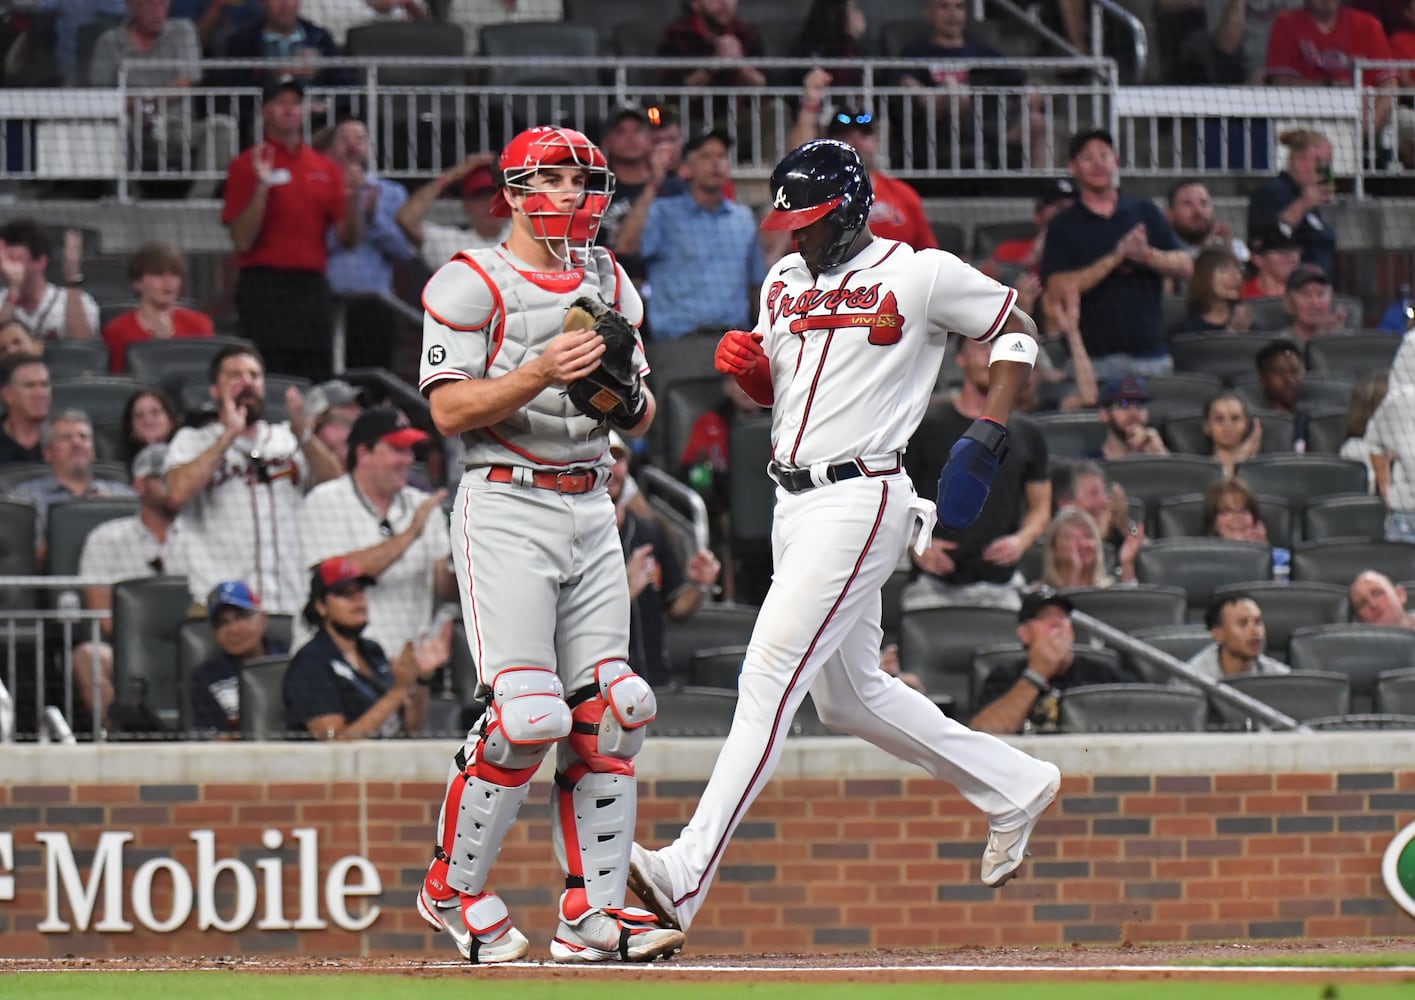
x: 845, y: 118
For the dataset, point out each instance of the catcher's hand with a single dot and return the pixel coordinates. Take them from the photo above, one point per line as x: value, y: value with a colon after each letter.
x: 613, y: 391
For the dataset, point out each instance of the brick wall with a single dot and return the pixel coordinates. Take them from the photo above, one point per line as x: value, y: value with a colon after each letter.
x: 823, y: 861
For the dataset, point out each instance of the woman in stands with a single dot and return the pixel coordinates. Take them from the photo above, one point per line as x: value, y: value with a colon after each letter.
x: 1073, y: 556
x: 1235, y: 433
x: 1215, y: 300
x: 149, y: 417
x: 157, y: 272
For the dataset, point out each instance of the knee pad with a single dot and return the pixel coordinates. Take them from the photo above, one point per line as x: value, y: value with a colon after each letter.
x: 527, y: 716
x: 610, y: 716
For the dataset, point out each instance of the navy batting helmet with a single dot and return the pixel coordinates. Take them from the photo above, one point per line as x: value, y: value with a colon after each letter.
x: 824, y: 179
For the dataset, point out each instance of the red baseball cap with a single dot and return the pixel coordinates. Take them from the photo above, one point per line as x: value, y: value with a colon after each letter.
x: 479, y: 181
x: 332, y: 572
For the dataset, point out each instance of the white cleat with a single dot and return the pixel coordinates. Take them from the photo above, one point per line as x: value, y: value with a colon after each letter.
x: 1007, y: 848
x: 648, y: 878
x: 612, y: 935
x: 493, y: 940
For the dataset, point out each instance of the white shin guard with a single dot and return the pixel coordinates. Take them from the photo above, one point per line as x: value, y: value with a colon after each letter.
x: 595, y: 822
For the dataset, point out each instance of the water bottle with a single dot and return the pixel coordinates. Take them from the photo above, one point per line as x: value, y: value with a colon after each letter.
x: 700, y: 477
x: 1282, y: 564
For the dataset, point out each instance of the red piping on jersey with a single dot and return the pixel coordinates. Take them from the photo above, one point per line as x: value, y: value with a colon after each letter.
x: 997, y: 324
x: 498, y: 311
x: 795, y: 676
x: 442, y: 375
x: 810, y: 398
x: 521, y: 451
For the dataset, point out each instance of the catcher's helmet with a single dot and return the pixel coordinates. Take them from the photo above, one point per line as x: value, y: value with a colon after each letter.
x: 547, y: 146
x: 824, y: 179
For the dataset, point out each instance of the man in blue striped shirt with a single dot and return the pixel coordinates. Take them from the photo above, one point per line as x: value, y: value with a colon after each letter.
x: 705, y: 263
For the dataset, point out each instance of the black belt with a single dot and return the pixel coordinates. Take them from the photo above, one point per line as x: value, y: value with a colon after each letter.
x: 799, y: 480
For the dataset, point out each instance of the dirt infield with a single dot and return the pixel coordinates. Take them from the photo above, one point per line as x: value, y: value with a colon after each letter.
x: 1106, y: 963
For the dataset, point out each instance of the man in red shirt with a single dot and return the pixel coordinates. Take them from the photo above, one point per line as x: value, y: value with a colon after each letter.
x: 1319, y: 44
x: 281, y: 200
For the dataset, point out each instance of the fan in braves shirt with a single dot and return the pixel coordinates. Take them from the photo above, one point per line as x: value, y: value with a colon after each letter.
x: 237, y: 483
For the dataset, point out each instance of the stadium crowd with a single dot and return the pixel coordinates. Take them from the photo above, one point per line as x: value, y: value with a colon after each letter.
x: 1211, y: 429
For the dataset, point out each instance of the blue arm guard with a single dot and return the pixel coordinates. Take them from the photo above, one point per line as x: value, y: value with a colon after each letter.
x: 967, y: 476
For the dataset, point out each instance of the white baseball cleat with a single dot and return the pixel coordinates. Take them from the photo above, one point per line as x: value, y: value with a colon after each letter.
x: 1007, y: 848
x: 612, y: 935
x: 479, y: 926
x: 648, y: 878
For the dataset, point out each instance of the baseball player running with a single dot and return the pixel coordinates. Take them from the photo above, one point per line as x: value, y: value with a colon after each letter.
x: 529, y: 354
x: 851, y: 335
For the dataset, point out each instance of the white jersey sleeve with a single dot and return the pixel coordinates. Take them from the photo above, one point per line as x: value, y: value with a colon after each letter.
x: 964, y: 300
x: 462, y: 313
x: 186, y: 444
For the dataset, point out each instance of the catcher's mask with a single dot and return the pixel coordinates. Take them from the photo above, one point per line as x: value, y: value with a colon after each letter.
x: 824, y: 179
x: 546, y: 146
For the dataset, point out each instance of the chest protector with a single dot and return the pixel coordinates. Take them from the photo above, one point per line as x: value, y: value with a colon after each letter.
x: 548, y: 432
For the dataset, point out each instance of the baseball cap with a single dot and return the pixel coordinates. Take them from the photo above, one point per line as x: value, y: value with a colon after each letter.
x: 1079, y: 140
x: 278, y: 85
x: 622, y: 112
x: 1055, y: 190
x: 478, y: 181
x: 1271, y: 238
x: 698, y: 139
x: 334, y: 571
x: 847, y: 119
x: 327, y: 395
x: 1129, y: 388
x: 150, y: 461
x: 1304, y: 275
x: 1043, y: 597
x: 384, y: 423
x: 231, y: 594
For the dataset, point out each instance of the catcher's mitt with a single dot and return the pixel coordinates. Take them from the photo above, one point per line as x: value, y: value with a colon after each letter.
x: 613, y: 392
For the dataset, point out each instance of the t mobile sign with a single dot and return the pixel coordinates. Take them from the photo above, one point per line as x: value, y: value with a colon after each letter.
x: 94, y: 899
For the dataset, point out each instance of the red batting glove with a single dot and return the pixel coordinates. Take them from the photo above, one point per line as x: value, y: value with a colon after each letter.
x: 738, y: 352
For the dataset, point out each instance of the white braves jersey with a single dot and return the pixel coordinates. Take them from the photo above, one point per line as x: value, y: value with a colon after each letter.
x: 241, y: 525
x: 487, y: 313
x: 855, y: 353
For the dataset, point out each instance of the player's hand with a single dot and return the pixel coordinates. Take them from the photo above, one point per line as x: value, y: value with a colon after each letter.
x: 640, y: 567
x: 1004, y: 551
x: 936, y: 560
x: 738, y: 352
x: 703, y: 567
x: 967, y: 476
x: 424, y: 510
x: 571, y: 355
x: 263, y: 162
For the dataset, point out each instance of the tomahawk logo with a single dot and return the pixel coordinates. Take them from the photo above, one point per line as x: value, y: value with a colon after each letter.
x: 1398, y: 869
x: 780, y: 201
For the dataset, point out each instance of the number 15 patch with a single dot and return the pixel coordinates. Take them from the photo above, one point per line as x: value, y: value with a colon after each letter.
x: 436, y: 354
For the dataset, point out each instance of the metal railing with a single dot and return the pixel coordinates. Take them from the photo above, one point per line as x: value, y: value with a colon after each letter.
x: 1139, y: 38
x: 22, y: 627
x: 1255, y: 709
x: 134, y: 135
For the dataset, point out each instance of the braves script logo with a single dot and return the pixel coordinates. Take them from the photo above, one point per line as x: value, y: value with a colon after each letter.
x: 816, y: 309
x: 780, y: 201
